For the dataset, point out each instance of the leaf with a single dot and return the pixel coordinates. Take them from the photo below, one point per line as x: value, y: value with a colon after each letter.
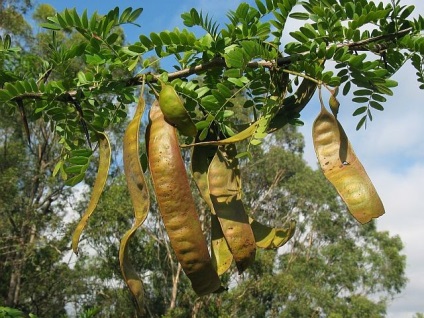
x: 50, y: 26
x: 299, y: 15
x: 360, y: 99
x: 360, y: 110
x: 361, y: 123
x: 376, y: 105
x: 135, y: 14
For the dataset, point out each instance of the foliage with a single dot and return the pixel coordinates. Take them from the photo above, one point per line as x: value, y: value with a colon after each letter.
x: 67, y: 93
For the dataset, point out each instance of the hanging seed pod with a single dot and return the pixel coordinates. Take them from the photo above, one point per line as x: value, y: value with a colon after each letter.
x: 174, y: 111
x: 220, y: 252
x: 140, y: 200
x: 269, y: 237
x: 225, y: 193
x: 176, y: 204
x: 102, y: 173
x: 343, y: 169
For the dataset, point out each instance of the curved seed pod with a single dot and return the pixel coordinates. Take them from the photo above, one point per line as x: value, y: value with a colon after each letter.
x: 242, y: 135
x: 102, y: 173
x: 175, y: 112
x: 264, y: 235
x: 176, y: 204
x: 293, y: 104
x: 225, y: 192
x: 140, y: 200
x: 343, y: 169
x: 282, y: 235
x: 334, y: 105
x: 269, y: 237
x: 220, y: 252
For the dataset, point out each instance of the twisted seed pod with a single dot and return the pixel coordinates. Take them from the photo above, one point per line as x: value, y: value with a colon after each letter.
x: 174, y: 111
x: 269, y: 237
x: 343, y: 169
x: 102, y: 173
x: 225, y: 193
x: 176, y: 204
x: 140, y: 200
x: 220, y: 252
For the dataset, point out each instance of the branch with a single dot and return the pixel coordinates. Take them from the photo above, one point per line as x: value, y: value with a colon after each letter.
x: 219, y: 62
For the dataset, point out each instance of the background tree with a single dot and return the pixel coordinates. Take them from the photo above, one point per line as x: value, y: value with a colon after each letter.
x: 278, y: 82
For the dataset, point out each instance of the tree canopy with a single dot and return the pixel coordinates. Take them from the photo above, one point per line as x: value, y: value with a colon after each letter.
x: 234, y: 95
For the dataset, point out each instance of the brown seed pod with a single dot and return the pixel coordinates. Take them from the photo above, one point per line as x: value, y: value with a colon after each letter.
x: 343, y: 169
x: 176, y: 204
x: 225, y: 192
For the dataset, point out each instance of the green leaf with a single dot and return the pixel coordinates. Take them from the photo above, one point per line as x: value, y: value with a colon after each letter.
x: 166, y: 39
x: 362, y: 92
x: 346, y: 88
x: 361, y: 122
x: 156, y: 39
x: 299, y: 15
x: 135, y: 14
x: 125, y: 14
x: 378, y: 98
x: 390, y: 83
x: 74, y: 180
x: 376, y: 105
x: 360, y: 99
x: 79, y: 160
x: 50, y: 26
x: 261, y: 7
x: 360, y: 110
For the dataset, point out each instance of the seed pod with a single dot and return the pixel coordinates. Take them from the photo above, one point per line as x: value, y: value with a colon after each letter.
x: 334, y: 105
x: 225, y: 192
x: 220, y: 252
x: 271, y: 238
x: 293, y: 104
x: 343, y: 169
x: 174, y: 111
x: 283, y: 235
x: 140, y: 200
x: 176, y: 204
x: 102, y: 173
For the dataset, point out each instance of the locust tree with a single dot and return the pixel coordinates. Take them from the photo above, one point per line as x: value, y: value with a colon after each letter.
x: 343, y: 46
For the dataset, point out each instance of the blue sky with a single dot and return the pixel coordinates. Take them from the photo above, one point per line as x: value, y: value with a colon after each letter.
x: 391, y: 149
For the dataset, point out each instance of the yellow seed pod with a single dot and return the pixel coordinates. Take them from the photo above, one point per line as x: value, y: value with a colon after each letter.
x: 225, y: 193
x: 220, y: 252
x: 269, y: 237
x: 139, y: 195
x: 102, y: 173
x: 343, y: 169
x: 174, y: 111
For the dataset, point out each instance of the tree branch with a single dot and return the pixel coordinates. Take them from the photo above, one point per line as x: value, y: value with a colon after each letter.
x: 219, y: 62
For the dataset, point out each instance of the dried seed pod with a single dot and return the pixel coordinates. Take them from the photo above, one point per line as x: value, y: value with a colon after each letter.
x: 220, y: 252
x: 343, y: 169
x: 102, y: 173
x: 140, y: 200
x: 176, y: 204
x: 225, y: 192
x: 269, y: 237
